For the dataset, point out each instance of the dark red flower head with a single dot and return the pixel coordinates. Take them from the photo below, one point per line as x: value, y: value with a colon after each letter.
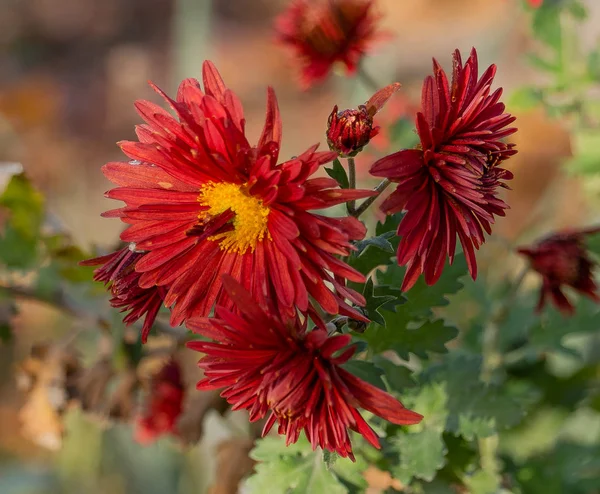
x: 324, y: 32
x: 201, y: 201
x: 450, y: 185
x: 562, y: 260
x: 349, y: 131
x: 164, y: 406
x: 270, y: 367
x: 118, y: 272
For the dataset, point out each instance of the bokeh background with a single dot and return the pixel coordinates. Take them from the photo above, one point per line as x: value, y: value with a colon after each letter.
x: 70, y: 71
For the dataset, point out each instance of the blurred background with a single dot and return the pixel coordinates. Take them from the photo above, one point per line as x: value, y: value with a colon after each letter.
x: 70, y: 71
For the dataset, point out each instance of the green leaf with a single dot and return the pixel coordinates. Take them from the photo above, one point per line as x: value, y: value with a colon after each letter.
x: 6, y: 334
x: 586, y: 153
x: 398, y: 377
x: 338, y: 172
x: 570, y: 467
x: 421, y: 455
x: 352, y: 472
x: 379, y: 250
x: 292, y: 470
x: 367, y: 371
x: 578, y: 10
x: 24, y: 207
x: 475, y: 408
x: 65, y: 259
x: 524, y: 98
x: 421, y: 448
x: 546, y: 26
x: 428, y: 337
x: 550, y: 330
x: 381, y: 242
x: 593, y: 64
x: 390, y: 225
x: 373, y: 255
x: 409, y: 325
x: 421, y: 298
x: 375, y: 302
x: 482, y: 482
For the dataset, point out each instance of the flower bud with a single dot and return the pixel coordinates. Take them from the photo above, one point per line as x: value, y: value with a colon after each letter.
x: 349, y: 131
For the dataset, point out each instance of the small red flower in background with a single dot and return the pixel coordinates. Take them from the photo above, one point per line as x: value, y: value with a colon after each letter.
x: 119, y: 274
x: 349, y: 131
x: 164, y: 405
x: 535, y: 3
x: 270, y: 367
x: 562, y: 260
x: 449, y: 186
x: 328, y: 31
x: 200, y: 201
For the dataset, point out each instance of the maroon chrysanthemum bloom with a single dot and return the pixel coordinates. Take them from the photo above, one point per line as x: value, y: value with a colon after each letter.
x: 348, y: 131
x: 202, y: 202
x: 118, y: 273
x: 562, y: 260
x: 450, y: 185
x: 325, y: 32
x: 269, y: 366
x: 164, y: 405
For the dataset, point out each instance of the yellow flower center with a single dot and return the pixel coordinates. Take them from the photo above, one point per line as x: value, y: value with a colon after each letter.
x: 249, y: 222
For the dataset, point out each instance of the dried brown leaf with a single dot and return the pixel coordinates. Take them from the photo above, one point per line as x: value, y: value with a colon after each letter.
x: 233, y: 464
x: 48, y: 377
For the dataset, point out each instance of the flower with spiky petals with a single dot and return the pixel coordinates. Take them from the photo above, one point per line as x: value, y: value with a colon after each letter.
x: 562, y: 260
x: 326, y: 32
x: 449, y: 186
x: 275, y: 367
x: 348, y: 131
x: 201, y: 202
x: 118, y: 273
x: 164, y: 406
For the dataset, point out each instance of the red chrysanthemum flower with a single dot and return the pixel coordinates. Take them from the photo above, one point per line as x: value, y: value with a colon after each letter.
x: 449, y: 186
x: 328, y: 31
x: 268, y: 366
x: 201, y: 201
x: 164, y: 406
x: 562, y: 260
x: 118, y: 272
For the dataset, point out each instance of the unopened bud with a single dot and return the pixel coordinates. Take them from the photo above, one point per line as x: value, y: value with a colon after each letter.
x: 349, y: 131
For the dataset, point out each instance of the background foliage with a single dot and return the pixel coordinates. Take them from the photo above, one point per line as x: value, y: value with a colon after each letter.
x: 511, y: 399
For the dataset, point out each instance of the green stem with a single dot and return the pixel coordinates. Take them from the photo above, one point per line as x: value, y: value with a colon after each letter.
x: 191, y: 31
x: 365, y: 205
x: 351, y: 184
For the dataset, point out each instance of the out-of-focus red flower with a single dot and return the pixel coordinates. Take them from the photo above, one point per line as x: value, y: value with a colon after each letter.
x: 562, y: 260
x: 449, y: 186
x: 164, y: 405
x: 325, y: 32
x: 269, y: 366
x: 535, y: 3
x: 201, y: 201
x: 349, y: 131
x: 118, y: 272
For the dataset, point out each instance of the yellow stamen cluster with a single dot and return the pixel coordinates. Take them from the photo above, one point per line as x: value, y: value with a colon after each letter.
x: 251, y: 216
